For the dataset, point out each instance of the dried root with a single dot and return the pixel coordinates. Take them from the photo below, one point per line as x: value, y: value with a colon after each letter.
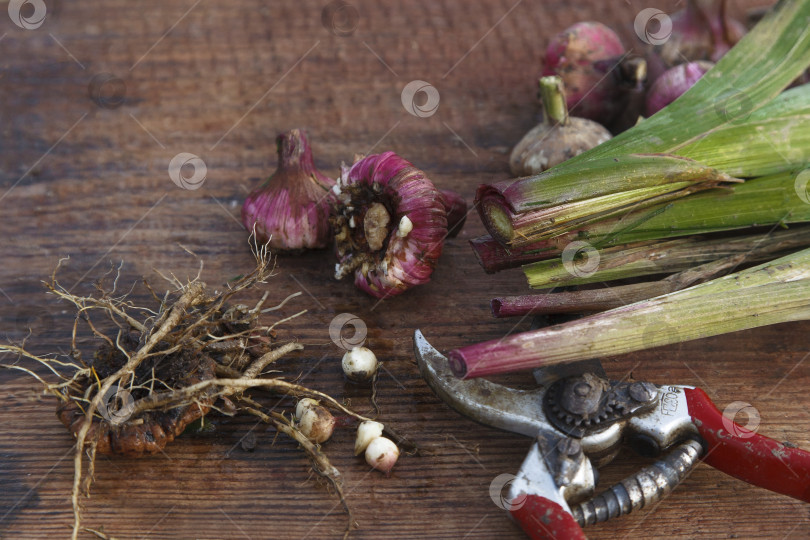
x: 161, y: 368
x: 320, y: 463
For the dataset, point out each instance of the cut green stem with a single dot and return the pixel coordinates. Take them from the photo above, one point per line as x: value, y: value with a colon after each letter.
x: 594, y: 300
x: 554, y: 202
x: 775, y: 200
x: 657, y: 257
x: 494, y: 257
x: 552, y: 93
x: 775, y: 292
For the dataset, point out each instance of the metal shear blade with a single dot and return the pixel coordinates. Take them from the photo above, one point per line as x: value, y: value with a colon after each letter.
x: 519, y: 411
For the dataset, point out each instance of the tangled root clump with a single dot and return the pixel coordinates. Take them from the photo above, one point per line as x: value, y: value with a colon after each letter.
x: 160, y: 369
x: 152, y: 430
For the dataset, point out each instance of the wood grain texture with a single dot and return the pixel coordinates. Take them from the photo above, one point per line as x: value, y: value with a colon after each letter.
x: 220, y: 80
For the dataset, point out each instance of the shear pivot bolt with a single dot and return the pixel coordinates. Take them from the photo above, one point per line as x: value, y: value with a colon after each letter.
x: 643, y: 391
x: 581, y: 394
x: 582, y: 389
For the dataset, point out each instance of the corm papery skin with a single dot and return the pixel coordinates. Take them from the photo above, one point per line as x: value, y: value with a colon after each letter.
x: 456, y: 208
x: 404, y: 190
x: 291, y: 209
x: 673, y: 83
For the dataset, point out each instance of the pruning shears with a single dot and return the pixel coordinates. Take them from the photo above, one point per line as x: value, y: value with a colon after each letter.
x: 580, y: 419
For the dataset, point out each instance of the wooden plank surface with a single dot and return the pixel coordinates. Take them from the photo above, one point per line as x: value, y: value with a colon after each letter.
x: 220, y: 80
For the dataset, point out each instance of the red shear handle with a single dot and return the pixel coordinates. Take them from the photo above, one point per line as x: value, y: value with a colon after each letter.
x: 542, y: 519
x: 746, y: 455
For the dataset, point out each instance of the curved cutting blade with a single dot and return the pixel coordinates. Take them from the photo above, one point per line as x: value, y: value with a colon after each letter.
x: 496, y: 405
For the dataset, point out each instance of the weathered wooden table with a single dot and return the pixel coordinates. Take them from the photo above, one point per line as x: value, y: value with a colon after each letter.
x: 97, y: 99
